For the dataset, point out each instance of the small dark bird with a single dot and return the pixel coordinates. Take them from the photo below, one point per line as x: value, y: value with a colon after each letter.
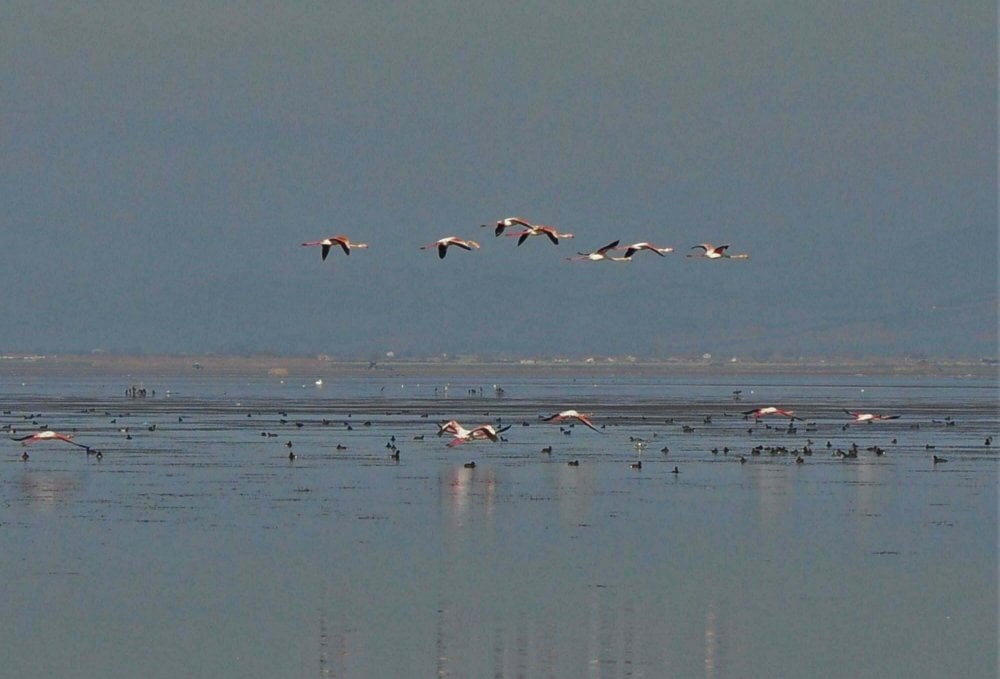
x: 675, y: 470
x: 547, y: 450
x: 573, y: 463
x: 291, y: 455
x: 25, y: 456
x: 938, y: 460
x: 743, y: 460
x: 636, y: 465
x: 470, y: 465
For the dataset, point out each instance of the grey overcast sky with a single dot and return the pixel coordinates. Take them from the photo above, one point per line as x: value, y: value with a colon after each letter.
x: 162, y: 161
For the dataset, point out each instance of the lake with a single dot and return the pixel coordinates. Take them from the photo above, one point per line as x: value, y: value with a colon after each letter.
x: 196, y: 547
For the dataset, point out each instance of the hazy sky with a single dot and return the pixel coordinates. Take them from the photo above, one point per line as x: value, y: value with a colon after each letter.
x: 162, y: 162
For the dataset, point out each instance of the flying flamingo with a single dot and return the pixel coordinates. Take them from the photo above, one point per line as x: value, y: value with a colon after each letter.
x: 509, y: 221
x: 716, y: 252
x: 870, y: 417
x: 443, y: 244
x: 572, y: 415
x: 48, y: 436
x: 769, y: 410
x: 461, y: 434
x: 601, y: 253
x: 540, y: 230
x: 638, y: 247
x: 343, y: 241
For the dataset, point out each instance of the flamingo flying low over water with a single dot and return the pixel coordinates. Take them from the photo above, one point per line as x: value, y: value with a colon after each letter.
x: 540, y: 230
x: 343, y: 241
x: 507, y: 222
x: 769, y: 410
x: 572, y: 415
x: 716, y: 252
x: 47, y: 435
x: 638, y: 247
x: 461, y: 434
x: 870, y: 417
x: 601, y: 254
x: 443, y: 244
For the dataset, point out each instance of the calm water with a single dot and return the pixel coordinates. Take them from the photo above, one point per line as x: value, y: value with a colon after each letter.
x: 199, y: 549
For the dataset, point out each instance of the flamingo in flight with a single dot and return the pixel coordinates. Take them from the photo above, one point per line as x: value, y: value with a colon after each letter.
x: 461, y: 434
x: 638, y: 247
x: 507, y: 222
x: 870, y: 417
x: 572, y: 415
x: 769, y: 410
x: 601, y: 253
x: 443, y: 244
x: 716, y: 252
x: 540, y: 230
x: 47, y: 435
x: 343, y: 241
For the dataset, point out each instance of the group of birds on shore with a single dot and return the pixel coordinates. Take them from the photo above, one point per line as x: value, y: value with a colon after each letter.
x: 526, y: 231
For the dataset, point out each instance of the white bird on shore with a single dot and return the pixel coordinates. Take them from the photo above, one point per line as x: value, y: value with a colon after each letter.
x: 343, y: 241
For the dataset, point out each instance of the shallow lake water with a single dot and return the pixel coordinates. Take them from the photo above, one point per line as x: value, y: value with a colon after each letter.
x: 196, y: 547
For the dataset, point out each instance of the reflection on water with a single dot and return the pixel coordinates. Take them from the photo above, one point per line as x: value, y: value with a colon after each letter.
x: 347, y: 563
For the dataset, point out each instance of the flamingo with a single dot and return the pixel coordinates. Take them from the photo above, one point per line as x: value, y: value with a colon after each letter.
x: 769, y: 410
x: 483, y: 431
x: 601, y: 253
x: 716, y: 252
x: 870, y: 417
x: 509, y: 221
x: 637, y: 247
x: 343, y: 241
x: 443, y: 244
x: 572, y: 415
x: 540, y: 230
x: 48, y: 435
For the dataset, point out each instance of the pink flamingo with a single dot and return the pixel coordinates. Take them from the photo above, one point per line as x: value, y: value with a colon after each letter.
x: 540, y: 230
x: 638, y: 247
x: 507, y: 222
x: 870, y: 417
x: 716, y: 252
x: 769, y: 410
x: 572, y: 415
x: 343, y: 241
x: 601, y: 254
x: 443, y: 244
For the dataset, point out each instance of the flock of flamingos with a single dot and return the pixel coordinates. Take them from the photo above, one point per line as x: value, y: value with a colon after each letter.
x: 526, y: 230
x: 522, y: 230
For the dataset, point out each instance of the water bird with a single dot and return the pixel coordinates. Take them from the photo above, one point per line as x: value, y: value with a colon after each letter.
x: 547, y: 450
x: 507, y: 222
x: 710, y: 251
x: 649, y: 247
x: 291, y: 455
x: 939, y: 460
x: 47, y: 435
x: 574, y: 415
x: 675, y: 470
x: 600, y: 254
x: 869, y: 417
x: 768, y: 410
x: 443, y: 244
x: 469, y: 465
x: 540, y: 230
x: 343, y: 241
x: 573, y: 463
x: 636, y: 465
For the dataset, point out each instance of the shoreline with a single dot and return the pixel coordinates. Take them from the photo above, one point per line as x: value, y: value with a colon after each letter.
x: 321, y: 366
